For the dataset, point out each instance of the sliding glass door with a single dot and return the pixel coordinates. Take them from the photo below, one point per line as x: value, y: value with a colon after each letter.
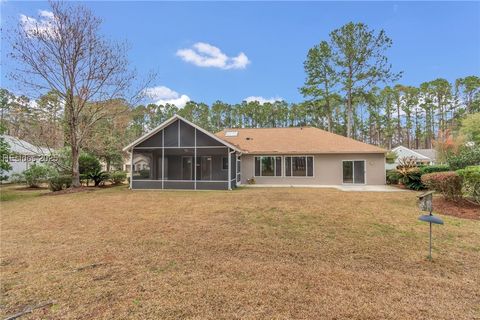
x: 354, y: 171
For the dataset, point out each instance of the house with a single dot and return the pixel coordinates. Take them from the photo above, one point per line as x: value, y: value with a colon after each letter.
x: 23, y: 154
x: 180, y: 155
x: 421, y: 156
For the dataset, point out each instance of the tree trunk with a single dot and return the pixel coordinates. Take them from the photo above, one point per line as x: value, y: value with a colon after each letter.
x: 349, y: 115
x: 408, y: 136
x: 74, y: 145
x: 399, y: 128
x: 75, y: 166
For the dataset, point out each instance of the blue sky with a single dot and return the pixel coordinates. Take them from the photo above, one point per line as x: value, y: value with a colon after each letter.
x: 258, y: 48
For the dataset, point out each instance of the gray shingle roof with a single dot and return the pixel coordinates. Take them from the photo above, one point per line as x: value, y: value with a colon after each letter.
x: 22, y: 147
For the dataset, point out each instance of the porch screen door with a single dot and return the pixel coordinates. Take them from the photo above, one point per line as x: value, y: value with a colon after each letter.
x: 204, y: 168
x: 187, y: 168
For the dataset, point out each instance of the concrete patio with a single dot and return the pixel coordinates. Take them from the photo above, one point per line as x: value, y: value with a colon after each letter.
x: 355, y: 188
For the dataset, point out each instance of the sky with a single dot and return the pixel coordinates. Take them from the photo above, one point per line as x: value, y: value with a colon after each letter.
x: 234, y: 51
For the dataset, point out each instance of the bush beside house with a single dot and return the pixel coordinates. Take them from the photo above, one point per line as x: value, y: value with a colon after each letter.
x: 467, y: 156
x: 454, y: 181
x: 117, y: 177
x: 34, y: 176
x: 471, y: 182
x: 448, y: 183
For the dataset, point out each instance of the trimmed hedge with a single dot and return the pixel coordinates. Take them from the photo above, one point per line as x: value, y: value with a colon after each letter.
x: 117, y: 177
x: 58, y: 183
x: 471, y: 182
x: 434, y: 168
x: 449, y: 184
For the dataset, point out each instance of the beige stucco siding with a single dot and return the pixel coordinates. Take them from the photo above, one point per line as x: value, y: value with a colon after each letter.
x: 327, y: 170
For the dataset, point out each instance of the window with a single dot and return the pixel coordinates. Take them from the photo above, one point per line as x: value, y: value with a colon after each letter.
x: 301, y: 166
x: 224, y: 163
x: 231, y: 133
x: 268, y: 166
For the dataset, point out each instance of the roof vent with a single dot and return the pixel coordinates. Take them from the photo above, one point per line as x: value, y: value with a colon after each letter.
x: 231, y: 133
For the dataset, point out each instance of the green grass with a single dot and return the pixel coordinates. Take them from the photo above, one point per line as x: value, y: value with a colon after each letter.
x: 258, y: 253
x: 18, y: 192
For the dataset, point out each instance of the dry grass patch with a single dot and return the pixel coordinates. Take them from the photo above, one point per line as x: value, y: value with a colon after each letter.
x: 250, y: 254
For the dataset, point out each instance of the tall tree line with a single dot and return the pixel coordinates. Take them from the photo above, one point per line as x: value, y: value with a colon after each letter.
x: 395, y: 115
x: 391, y: 116
x: 350, y: 89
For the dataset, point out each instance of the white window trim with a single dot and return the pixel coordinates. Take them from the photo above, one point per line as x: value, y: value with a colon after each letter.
x: 274, y: 165
x: 306, y: 169
x: 353, y: 172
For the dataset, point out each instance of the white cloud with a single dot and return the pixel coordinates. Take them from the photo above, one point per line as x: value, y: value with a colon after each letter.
x: 34, y: 27
x: 205, y: 55
x: 163, y: 95
x: 262, y: 100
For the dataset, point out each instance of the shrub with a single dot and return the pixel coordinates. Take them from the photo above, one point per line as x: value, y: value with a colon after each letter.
x: 144, y: 174
x: 393, y: 177
x: 84, y: 179
x: 117, y: 177
x: 413, y: 180
x: 87, y: 164
x: 17, y: 178
x: 434, y: 168
x: 471, y: 182
x: 467, y: 156
x: 37, y: 174
x: 60, y: 182
x: 98, y: 177
x: 410, y: 174
x: 449, y: 184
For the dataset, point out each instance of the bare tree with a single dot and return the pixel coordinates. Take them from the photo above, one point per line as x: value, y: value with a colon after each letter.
x: 65, y: 52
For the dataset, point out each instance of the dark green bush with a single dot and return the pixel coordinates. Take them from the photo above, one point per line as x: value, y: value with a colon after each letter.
x: 98, y: 177
x: 393, y: 177
x: 449, y: 184
x: 84, y: 178
x: 117, y: 177
x: 413, y: 180
x: 434, y: 168
x: 58, y: 183
x: 467, y: 156
x: 410, y: 174
x: 87, y: 164
x: 471, y: 182
x: 144, y: 174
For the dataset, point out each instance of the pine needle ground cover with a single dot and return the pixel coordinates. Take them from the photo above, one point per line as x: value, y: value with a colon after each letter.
x: 247, y: 254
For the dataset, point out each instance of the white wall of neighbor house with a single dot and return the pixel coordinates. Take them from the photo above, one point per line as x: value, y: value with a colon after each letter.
x: 327, y: 170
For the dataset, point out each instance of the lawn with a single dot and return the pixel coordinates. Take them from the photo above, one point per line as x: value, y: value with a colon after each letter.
x: 251, y: 253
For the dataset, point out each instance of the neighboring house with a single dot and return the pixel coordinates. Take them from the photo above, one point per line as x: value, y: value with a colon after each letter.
x: 23, y: 154
x: 431, y: 154
x: 180, y: 155
x: 421, y: 156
